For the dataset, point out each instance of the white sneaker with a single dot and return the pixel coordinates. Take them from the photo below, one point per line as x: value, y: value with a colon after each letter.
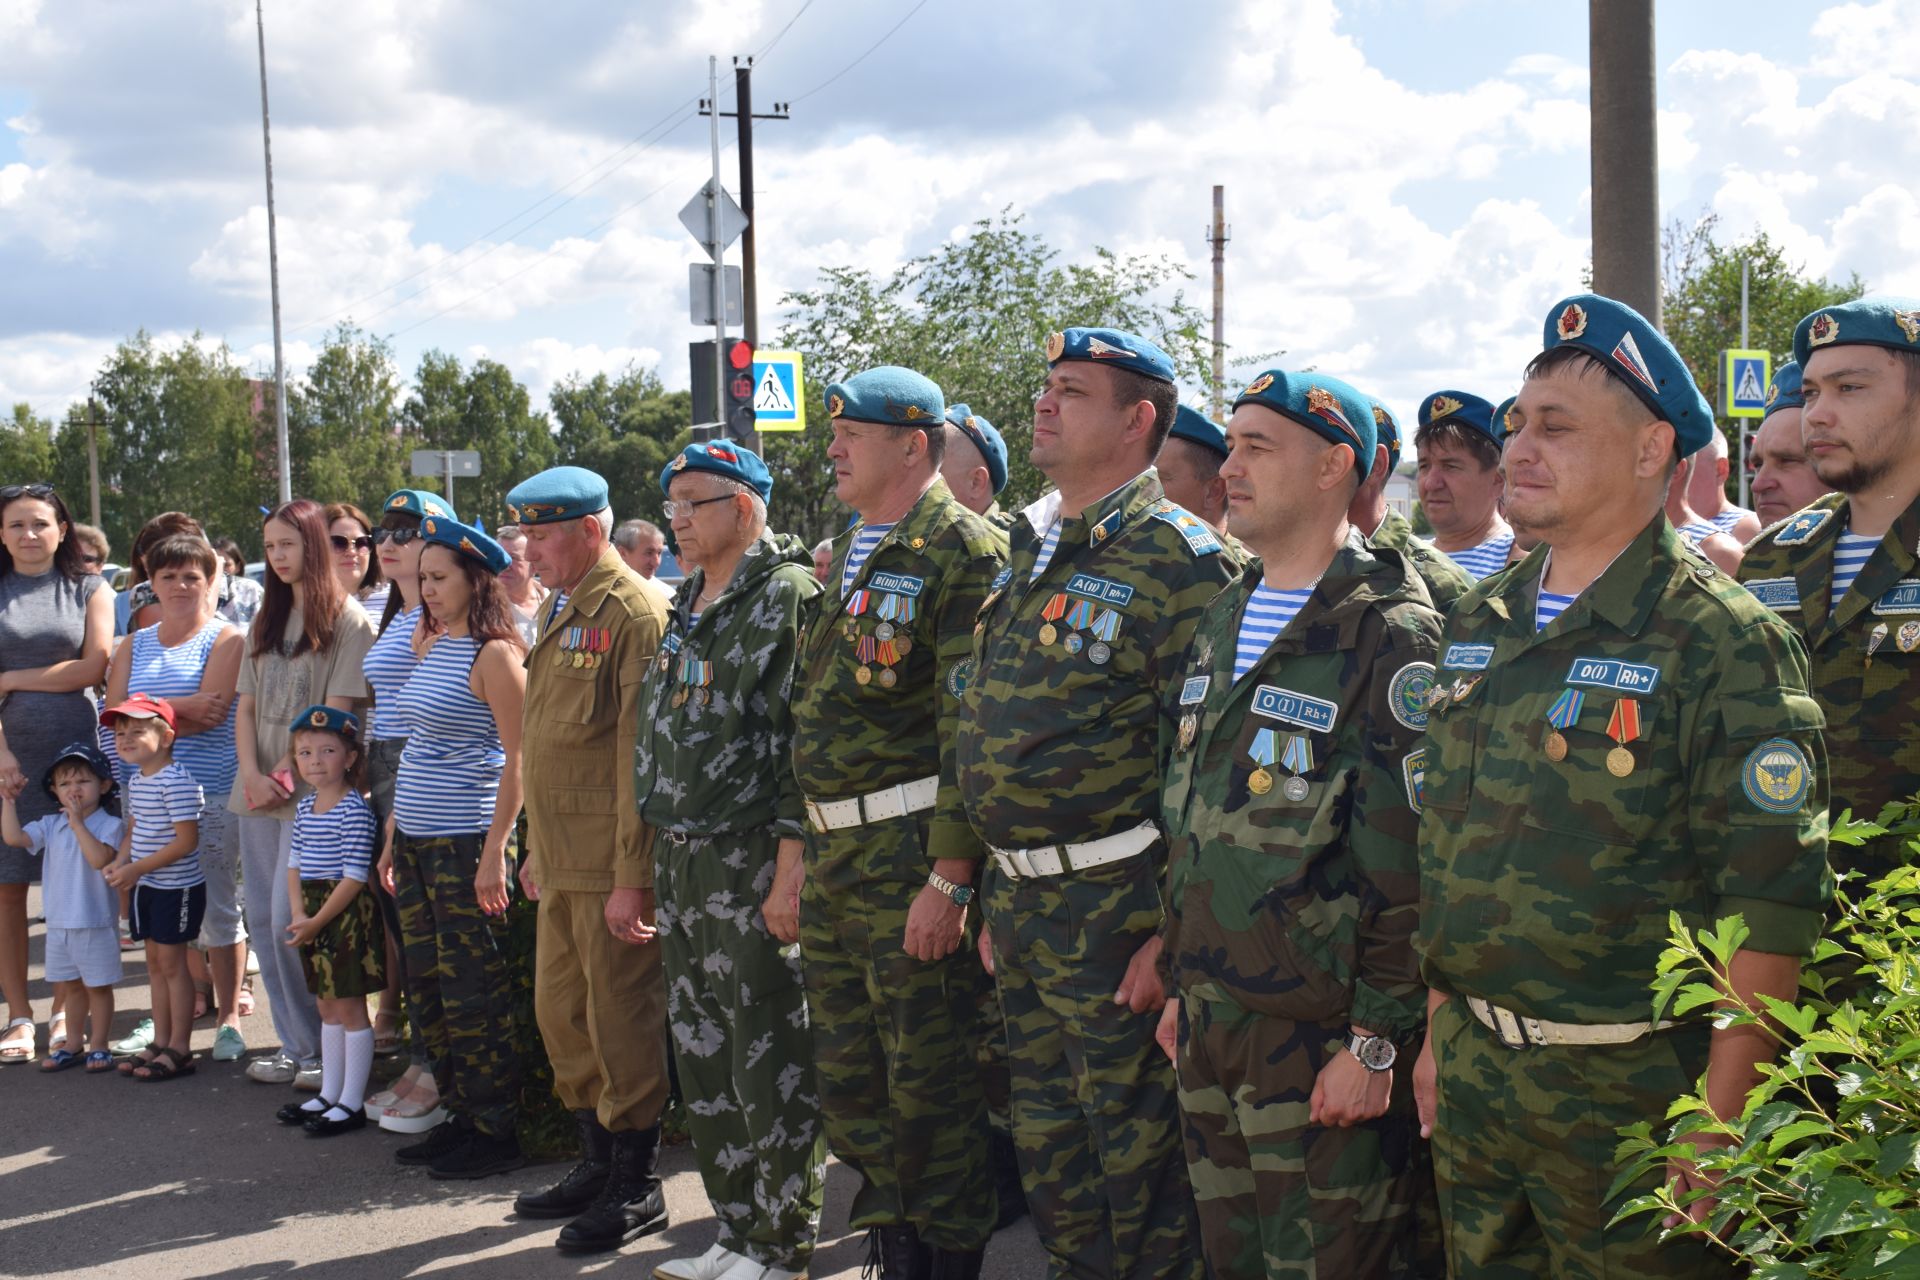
x: 711, y: 1265
x: 308, y: 1077
x: 275, y: 1068
x: 748, y: 1269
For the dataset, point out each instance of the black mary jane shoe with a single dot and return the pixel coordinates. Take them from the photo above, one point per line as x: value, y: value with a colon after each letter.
x: 321, y: 1127
x: 297, y: 1113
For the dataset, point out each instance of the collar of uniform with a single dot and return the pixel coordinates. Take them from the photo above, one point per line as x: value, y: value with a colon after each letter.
x: 758, y: 558
x: 1624, y: 594
x: 1354, y: 579
x: 914, y: 530
x: 592, y: 588
x: 1883, y: 568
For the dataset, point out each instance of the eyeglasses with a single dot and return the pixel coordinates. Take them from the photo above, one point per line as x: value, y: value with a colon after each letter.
x: 398, y: 537
x: 9, y: 492
x: 685, y: 507
x: 344, y: 543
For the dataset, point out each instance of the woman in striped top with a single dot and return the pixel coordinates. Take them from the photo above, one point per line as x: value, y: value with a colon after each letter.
x: 191, y: 657
x: 454, y: 807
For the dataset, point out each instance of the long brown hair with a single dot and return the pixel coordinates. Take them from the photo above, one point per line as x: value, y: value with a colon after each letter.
x: 374, y: 575
x: 320, y: 613
x: 390, y: 521
x: 489, y: 616
x: 66, y: 556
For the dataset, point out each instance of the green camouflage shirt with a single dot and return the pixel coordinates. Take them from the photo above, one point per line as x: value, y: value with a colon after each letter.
x: 1293, y: 890
x: 1446, y: 581
x: 853, y: 736
x: 1872, y: 706
x: 1546, y: 884
x: 715, y: 746
x: 1063, y: 741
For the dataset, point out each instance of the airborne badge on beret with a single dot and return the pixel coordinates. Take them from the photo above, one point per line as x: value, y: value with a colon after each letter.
x: 1573, y: 322
x: 1627, y: 352
x: 679, y: 462
x: 1259, y: 384
x: 1322, y: 404
x: 1443, y: 407
x: 836, y: 406
x: 1105, y: 350
x: 318, y: 719
x: 1056, y: 345
x: 1909, y: 322
x: 1823, y: 330
x: 1379, y: 416
x: 398, y: 500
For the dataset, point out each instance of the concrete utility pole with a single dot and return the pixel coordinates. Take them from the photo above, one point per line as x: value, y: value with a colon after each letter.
x: 1626, y: 159
x: 273, y: 275
x: 1218, y: 239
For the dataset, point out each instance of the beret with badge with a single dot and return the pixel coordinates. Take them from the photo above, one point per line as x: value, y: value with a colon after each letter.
x: 1191, y: 424
x: 1783, y: 391
x: 327, y: 720
x: 418, y: 502
x: 985, y: 438
x: 1502, y: 415
x: 1110, y: 346
x: 1638, y: 354
x: 1386, y: 431
x: 556, y: 494
x: 1463, y: 407
x: 1325, y: 406
x: 720, y: 458
x: 888, y: 395
x: 466, y: 540
x: 1880, y: 321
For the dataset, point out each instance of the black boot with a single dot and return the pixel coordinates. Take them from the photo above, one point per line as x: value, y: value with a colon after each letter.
x: 582, y: 1184
x: 630, y: 1204
x: 953, y: 1264
x: 446, y: 1136
x: 1006, y: 1180
x: 894, y: 1252
x: 482, y: 1155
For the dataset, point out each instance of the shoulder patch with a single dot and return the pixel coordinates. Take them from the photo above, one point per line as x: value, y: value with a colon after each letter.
x: 1413, y: 770
x: 1782, y: 595
x: 1199, y: 537
x: 1801, y: 527
x: 1776, y: 776
x: 1408, y: 692
x: 1468, y: 657
x: 959, y: 675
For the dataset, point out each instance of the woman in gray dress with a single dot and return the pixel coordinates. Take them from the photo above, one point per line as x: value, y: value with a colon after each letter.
x: 56, y: 627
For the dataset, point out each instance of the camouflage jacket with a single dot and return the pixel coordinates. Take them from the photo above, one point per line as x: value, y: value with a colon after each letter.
x: 1865, y: 655
x: 998, y: 517
x: 854, y: 736
x: 1063, y: 741
x: 1445, y: 581
x: 1292, y: 886
x: 1546, y: 883
x: 716, y: 725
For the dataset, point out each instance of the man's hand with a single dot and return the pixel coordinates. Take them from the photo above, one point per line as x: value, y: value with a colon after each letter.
x: 1345, y: 1093
x: 1167, y: 1034
x: 1141, y: 989
x: 935, y: 926
x: 781, y: 910
x: 986, y: 951
x: 1426, y: 1086
x: 527, y: 885
x: 1685, y: 1177
x: 629, y: 915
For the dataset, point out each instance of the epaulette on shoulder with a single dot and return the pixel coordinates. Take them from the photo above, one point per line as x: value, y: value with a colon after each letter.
x: 1802, y: 524
x: 1193, y: 530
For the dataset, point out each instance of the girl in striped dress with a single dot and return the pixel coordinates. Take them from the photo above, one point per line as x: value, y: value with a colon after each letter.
x: 343, y: 950
x: 454, y: 807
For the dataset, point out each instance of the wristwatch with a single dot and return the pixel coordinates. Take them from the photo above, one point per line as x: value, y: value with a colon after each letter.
x: 1376, y: 1053
x: 961, y: 894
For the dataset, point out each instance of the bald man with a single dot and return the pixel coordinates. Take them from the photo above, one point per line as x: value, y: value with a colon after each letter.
x: 1707, y: 493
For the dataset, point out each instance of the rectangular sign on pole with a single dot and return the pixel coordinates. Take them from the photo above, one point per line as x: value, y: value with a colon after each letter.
x: 779, y: 392
x: 1743, y: 382
x: 700, y: 293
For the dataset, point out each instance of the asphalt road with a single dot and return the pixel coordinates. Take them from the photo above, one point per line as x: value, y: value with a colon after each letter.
x: 104, y: 1177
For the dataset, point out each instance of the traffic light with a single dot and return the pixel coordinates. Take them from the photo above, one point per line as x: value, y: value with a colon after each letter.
x: 738, y: 411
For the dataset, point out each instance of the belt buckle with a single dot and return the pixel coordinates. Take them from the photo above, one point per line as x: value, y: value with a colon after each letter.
x: 677, y: 837
x: 1506, y: 1026
x: 1021, y: 865
x: 818, y: 819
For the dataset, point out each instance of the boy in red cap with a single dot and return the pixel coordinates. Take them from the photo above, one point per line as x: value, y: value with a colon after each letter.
x: 159, y: 867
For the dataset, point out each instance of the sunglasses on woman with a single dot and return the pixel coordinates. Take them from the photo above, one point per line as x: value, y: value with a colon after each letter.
x: 398, y: 537
x: 343, y: 543
x: 8, y: 492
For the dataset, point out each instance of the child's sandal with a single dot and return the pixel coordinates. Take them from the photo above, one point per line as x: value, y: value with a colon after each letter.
x: 98, y: 1061
x: 168, y: 1064
x: 127, y: 1066
x: 60, y: 1060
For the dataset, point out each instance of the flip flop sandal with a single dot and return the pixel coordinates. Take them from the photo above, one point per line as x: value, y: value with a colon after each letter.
x: 244, y: 1005
x: 16, y: 1050
x: 61, y: 1059
x: 98, y: 1061
x: 143, y: 1058
x: 168, y: 1064
x: 57, y: 1029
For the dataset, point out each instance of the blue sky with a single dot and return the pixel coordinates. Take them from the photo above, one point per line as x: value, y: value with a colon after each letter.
x: 1407, y: 183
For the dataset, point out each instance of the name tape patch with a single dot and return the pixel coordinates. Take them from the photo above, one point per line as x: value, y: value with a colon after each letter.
x: 1293, y: 708
x: 1468, y: 657
x: 1782, y: 595
x: 1611, y: 673
x: 1194, y: 691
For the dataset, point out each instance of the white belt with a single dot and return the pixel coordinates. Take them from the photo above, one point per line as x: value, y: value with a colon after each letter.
x: 878, y: 806
x: 1517, y: 1032
x: 1051, y: 860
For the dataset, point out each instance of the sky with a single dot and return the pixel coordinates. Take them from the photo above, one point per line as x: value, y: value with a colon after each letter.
x: 1406, y: 182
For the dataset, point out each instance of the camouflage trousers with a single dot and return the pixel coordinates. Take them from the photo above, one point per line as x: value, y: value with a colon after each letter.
x: 457, y: 979
x: 1523, y: 1148
x: 737, y: 1012
x: 1278, y: 1196
x: 1095, y: 1116
x: 894, y: 1040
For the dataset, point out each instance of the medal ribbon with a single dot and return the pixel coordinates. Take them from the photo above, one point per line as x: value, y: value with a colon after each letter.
x: 1265, y: 747
x: 1566, y: 708
x: 888, y: 653
x: 906, y: 608
x: 889, y: 607
x: 670, y: 642
x: 1080, y: 614
x: 1107, y: 625
x: 1054, y: 608
x: 865, y: 649
x: 1624, y: 727
x: 858, y: 602
x: 1299, y: 757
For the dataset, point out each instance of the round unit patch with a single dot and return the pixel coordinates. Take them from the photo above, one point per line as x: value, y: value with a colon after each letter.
x: 1409, y: 693
x: 958, y: 675
x: 1776, y: 776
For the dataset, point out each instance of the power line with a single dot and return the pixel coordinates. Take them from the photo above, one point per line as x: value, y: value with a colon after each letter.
x: 863, y: 57
x: 783, y: 31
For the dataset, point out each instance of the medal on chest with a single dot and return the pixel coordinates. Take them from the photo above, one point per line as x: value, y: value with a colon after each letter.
x: 1623, y: 727
x: 1563, y: 714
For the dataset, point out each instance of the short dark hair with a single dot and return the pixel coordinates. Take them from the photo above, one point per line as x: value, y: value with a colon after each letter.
x: 177, y: 549
x: 936, y: 440
x: 1583, y: 363
x: 1450, y: 431
x: 1910, y: 361
x: 1130, y: 388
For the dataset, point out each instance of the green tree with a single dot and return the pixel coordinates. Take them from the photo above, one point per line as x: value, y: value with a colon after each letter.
x: 625, y: 428
x: 343, y: 422
x: 26, y: 453
x: 482, y: 409
x: 973, y: 315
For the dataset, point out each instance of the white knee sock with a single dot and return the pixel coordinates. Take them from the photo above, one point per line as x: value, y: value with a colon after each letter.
x: 359, y: 1064
x: 333, y: 1061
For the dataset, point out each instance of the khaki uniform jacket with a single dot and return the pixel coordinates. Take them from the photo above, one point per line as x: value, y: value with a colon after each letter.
x: 584, y: 832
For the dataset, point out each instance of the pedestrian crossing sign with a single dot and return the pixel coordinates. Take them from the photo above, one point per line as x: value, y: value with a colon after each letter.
x: 779, y: 392
x: 1743, y: 382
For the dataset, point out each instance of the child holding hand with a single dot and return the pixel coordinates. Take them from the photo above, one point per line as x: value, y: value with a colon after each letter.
x: 335, y: 923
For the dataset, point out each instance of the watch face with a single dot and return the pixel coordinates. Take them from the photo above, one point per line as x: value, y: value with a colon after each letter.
x: 963, y: 895
x: 1376, y: 1054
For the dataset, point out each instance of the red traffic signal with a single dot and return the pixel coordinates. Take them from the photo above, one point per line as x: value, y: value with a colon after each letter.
x: 740, y: 355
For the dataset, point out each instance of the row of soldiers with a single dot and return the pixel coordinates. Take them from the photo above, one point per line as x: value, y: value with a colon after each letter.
x: 1321, y: 886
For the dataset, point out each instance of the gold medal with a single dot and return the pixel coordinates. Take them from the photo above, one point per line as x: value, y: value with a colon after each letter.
x: 1556, y: 747
x: 1048, y: 633
x: 887, y: 678
x: 863, y: 674
x: 680, y: 696
x: 902, y: 644
x: 560, y: 659
x: 1620, y: 762
x: 1259, y: 782
x: 1189, y: 729
x: 1909, y: 638
x: 579, y: 659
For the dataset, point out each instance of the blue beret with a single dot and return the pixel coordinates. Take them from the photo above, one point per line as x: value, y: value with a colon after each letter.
x: 889, y: 395
x: 468, y: 540
x: 330, y: 719
x: 1386, y: 431
x: 1880, y: 321
x: 985, y: 438
x: 1784, y: 391
x: 722, y: 459
x: 418, y: 502
x: 1639, y: 355
x: 558, y: 493
x: 86, y: 753
x: 1325, y: 406
x: 1462, y: 407
x: 1501, y: 427
x: 1191, y: 424
x: 1110, y: 346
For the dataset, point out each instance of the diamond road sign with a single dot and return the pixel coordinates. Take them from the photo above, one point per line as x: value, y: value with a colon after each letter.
x: 733, y: 220
x: 779, y: 392
x: 1743, y: 382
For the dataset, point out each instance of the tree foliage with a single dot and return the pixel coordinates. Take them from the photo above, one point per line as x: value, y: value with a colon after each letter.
x: 626, y: 428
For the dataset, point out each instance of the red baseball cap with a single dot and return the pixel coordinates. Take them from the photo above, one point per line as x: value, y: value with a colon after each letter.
x: 141, y: 706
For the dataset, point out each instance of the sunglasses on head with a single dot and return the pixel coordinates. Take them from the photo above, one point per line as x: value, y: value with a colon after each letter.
x: 398, y: 537
x: 343, y: 543
x: 9, y: 492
